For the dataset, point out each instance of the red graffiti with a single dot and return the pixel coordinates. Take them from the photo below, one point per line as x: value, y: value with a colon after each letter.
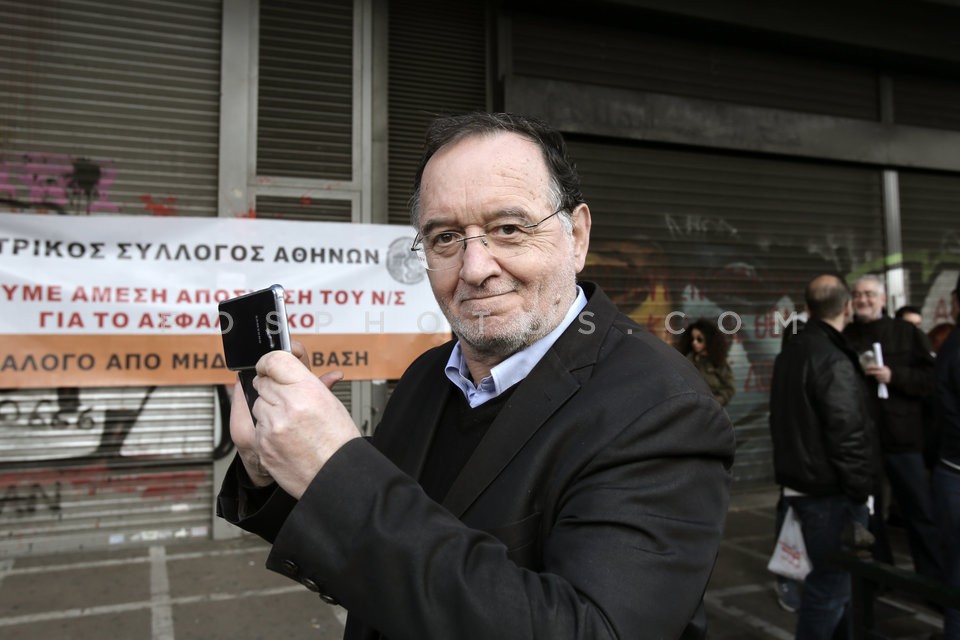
x: 758, y: 377
x: 25, y: 490
x: 165, y: 208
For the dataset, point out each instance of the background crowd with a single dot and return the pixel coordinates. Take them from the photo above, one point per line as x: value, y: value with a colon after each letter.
x: 865, y: 423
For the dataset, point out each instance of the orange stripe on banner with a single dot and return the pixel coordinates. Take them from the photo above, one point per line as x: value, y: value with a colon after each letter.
x: 134, y: 360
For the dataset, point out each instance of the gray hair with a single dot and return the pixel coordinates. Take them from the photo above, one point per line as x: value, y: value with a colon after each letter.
x: 875, y: 279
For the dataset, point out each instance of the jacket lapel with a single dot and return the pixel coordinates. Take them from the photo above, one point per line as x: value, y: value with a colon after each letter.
x: 550, y: 384
x: 420, y: 436
x: 534, y: 401
x: 407, y: 444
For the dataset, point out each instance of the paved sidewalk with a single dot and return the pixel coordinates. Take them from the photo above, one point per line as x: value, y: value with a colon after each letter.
x: 210, y: 590
x: 198, y: 590
x: 741, y: 602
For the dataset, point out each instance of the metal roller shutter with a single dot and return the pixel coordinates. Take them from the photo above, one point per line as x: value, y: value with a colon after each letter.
x: 107, y: 108
x: 926, y: 102
x: 304, y: 123
x: 305, y: 112
x: 706, y: 233
x: 95, y: 468
x: 625, y: 57
x: 437, y: 66
x: 110, y: 108
x: 929, y: 203
x: 303, y: 208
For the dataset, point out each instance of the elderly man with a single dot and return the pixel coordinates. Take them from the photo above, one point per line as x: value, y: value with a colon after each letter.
x: 554, y: 472
x: 907, y: 373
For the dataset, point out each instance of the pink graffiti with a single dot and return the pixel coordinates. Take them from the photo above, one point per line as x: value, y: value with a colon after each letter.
x: 58, y: 182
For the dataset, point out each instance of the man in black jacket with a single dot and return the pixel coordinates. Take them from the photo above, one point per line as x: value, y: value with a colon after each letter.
x: 556, y: 471
x: 897, y: 390
x: 823, y: 447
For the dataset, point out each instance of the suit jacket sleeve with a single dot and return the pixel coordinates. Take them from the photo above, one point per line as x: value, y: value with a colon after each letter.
x: 260, y: 510
x: 913, y: 364
x: 626, y: 554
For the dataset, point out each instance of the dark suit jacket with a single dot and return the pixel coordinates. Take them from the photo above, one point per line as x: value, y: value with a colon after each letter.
x: 907, y: 351
x: 592, y: 508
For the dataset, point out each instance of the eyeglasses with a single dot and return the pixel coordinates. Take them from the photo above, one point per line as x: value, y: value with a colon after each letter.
x: 442, y: 250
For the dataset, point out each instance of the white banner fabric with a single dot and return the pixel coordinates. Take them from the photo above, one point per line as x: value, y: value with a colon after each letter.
x: 130, y: 300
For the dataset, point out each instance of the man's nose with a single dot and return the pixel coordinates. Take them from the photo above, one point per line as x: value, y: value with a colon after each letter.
x: 478, y: 263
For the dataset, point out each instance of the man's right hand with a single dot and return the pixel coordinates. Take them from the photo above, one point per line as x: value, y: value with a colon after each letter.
x: 243, y: 431
x: 243, y: 434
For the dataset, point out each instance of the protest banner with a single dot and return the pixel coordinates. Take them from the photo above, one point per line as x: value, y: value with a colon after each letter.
x: 132, y: 300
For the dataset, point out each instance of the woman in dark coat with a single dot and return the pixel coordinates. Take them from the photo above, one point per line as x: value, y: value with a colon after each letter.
x: 707, y: 348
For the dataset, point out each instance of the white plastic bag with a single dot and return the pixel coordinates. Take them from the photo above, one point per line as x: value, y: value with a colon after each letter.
x: 790, y: 558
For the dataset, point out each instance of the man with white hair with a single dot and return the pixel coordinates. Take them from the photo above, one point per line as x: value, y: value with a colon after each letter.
x: 906, y: 370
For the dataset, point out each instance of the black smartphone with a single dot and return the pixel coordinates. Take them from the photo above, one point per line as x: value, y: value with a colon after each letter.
x: 252, y: 325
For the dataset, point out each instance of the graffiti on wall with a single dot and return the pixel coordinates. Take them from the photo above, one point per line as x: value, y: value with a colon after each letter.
x: 701, y: 266
x: 67, y: 446
x: 66, y: 449
x: 57, y: 183
x: 159, y: 206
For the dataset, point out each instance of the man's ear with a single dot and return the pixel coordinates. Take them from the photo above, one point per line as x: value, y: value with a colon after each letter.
x: 581, y: 234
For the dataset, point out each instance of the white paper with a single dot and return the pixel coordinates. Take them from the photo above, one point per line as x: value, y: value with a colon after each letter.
x: 882, y: 391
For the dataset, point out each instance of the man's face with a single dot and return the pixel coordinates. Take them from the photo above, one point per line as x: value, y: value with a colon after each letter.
x: 868, y: 301
x: 497, y: 306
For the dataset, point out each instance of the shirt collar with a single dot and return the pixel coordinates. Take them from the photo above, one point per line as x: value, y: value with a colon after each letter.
x: 513, y: 369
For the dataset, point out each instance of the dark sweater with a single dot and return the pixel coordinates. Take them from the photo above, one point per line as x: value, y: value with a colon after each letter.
x: 460, y: 430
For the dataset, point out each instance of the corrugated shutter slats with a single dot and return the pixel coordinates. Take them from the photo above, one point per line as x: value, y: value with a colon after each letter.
x: 132, y: 87
x: 702, y: 234
x: 304, y: 208
x: 437, y: 66
x: 926, y: 102
x: 627, y: 58
x: 123, y: 97
x: 104, y: 467
x: 305, y: 116
x: 930, y: 227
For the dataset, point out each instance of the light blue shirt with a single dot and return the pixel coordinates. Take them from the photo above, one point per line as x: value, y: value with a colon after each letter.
x: 513, y: 369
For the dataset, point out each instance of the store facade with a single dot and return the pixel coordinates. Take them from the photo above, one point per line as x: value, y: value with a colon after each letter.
x: 727, y: 158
